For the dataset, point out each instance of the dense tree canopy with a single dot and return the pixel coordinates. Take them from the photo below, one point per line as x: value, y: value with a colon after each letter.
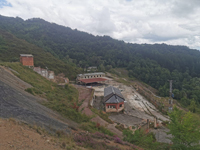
x: 185, y: 130
x: 11, y: 47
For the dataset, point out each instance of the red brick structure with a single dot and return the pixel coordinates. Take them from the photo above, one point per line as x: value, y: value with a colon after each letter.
x: 27, y: 60
x: 97, y: 77
x: 114, y: 107
x: 113, y: 99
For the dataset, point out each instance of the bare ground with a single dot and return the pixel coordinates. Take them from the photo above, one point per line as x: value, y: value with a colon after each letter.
x: 126, y: 119
x: 18, y: 136
x: 137, y: 109
x: 136, y: 105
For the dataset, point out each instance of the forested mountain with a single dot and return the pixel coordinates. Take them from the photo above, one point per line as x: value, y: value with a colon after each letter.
x: 152, y: 64
x: 11, y: 47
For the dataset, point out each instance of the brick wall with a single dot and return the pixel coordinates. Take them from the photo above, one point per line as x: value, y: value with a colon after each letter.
x: 26, y: 61
x: 116, y: 109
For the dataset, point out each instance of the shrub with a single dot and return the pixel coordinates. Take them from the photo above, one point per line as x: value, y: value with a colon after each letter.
x: 75, y: 107
x: 140, y: 138
x: 88, y: 126
x: 120, y: 127
x: 118, y: 140
x: 102, y: 136
x: 105, y: 131
x: 97, y: 125
x: 60, y: 133
x: 63, y: 144
x: 70, y: 113
x: 102, y: 115
x: 66, y: 86
x: 30, y: 90
x: 92, y: 127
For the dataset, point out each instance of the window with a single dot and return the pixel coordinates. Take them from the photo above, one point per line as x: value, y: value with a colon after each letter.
x: 85, y: 77
x: 97, y: 75
x: 100, y: 75
x: 120, y: 105
x: 91, y: 76
x: 111, y: 106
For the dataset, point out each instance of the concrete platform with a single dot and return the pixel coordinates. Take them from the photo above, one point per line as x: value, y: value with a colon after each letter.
x: 126, y: 119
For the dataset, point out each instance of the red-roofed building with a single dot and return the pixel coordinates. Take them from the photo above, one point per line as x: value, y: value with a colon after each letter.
x: 91, y: 78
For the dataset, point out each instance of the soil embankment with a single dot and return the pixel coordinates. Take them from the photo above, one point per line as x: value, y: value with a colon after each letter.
x: 16, y: 135
x: 18, y: 104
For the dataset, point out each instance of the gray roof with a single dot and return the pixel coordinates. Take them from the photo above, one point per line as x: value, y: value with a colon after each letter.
x: 114, y: 99
x: 113, y: 95
x: 92, y: 67
x: 109, y: 90
x: 90, y: 74
x: 26, y: 55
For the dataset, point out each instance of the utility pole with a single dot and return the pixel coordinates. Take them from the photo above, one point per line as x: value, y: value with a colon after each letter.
x: 170, y: 96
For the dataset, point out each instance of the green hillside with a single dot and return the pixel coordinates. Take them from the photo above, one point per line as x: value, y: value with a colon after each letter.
x: 59, y: 99
x: 152, y: 64
x: 11, y: 47
x: 62, y: 100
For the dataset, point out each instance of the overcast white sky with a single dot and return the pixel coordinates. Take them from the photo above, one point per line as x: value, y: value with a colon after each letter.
x: 175, y: 22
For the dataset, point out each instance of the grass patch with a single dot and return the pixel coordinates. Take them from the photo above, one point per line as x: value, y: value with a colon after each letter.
x: 102, y: 115
x: 67, y: 111
x: 94, y: 127
x: 88, y: 142
x: 33, y: 91
x: 121, y: 80
x: 120, y: 127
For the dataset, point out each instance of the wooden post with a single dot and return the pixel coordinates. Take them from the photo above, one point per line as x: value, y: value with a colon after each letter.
x: 155, y: 123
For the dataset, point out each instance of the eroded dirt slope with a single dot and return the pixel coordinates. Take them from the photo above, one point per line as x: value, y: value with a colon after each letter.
x: 16, y: 136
